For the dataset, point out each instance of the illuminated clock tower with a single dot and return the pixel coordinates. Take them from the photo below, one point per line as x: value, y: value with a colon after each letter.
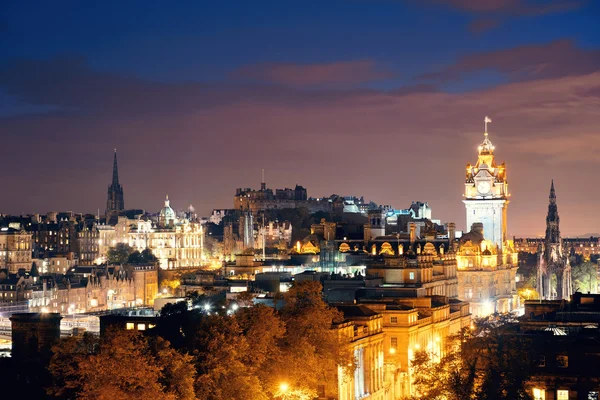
x: 486, y: 193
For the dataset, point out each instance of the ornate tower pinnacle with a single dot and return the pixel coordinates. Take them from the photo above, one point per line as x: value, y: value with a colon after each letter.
x: 486, y: 147
x: 552, y: 219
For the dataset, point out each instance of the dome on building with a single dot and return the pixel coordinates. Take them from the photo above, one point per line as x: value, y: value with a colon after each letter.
x: 310, y: 244
x: 166, y: 213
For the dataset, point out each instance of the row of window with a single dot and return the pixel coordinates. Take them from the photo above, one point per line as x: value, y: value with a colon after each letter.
x: 140, y: 327
x: 540, y: 394
x: 562, y: 361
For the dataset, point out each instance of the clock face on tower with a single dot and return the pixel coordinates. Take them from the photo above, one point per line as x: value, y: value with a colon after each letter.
x: 484, y: 187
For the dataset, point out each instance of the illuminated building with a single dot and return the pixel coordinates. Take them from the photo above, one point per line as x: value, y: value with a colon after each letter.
x: 428, y: 273
x: 551, y: 258
x: 264, y: 199
x: 92, y: 289
x: 487, y: 262
x: 145, y: 280
x: 486, y: 193
x: 175, y: 242
x: 89, y: 248
x: 411, y: 324
x: 15, y: 249
x: 486, y: 274
x: 15, y: 288
x: 363, y: 328
x: 107, y: 238
x: 586, y: 247
x: 274, y: 233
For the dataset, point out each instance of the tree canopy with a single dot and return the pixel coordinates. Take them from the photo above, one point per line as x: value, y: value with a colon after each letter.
x: 585, y: 277
x: 213, y: 350
x: 489, y: 362
x: 122, y: 364
x: 119, y: 254
x: 142, y: 258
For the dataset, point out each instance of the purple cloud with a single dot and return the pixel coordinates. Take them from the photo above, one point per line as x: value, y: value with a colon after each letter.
x: 550, y: 60
x: 512, y: 7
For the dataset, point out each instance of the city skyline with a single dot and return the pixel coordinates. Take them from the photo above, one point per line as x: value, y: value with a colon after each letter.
x: 196, y: 108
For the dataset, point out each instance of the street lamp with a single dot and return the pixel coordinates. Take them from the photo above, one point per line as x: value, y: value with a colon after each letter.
x: 283, y: 389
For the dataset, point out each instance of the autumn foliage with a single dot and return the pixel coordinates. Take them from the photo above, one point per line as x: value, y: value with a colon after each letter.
x: 245, y: 355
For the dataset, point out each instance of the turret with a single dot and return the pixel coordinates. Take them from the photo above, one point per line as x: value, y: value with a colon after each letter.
x: 375, y: 226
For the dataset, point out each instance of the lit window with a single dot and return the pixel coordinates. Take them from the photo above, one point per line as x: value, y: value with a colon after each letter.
x: 562, y: 395
x: 130, y: 326
x: 541, y: 361
x: 539, y: 394
x: 562, y: 361
x: 150, y: 326
x: 141, y: 327
x: 411, y: 275
x: 394, y: 320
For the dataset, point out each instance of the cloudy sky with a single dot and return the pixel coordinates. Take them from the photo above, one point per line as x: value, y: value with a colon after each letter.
x: 379, y: 98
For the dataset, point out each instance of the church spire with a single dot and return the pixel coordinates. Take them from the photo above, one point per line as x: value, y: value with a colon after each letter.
x: 552, y: 219
x: 115, y: 179
x: 114, y: 201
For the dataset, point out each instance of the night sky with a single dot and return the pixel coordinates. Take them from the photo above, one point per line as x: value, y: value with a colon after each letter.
x: 379, y: 98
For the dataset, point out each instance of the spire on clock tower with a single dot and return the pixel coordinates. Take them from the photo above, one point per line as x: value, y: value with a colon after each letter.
x: 486, y: 147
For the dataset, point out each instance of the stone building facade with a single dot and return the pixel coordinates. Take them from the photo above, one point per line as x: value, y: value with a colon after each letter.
x: 411, y: 324
x: 89, y: 245
x: 486, y: 274
x: 363, y: 329
x: 15, y: 249
x: 93, y: 291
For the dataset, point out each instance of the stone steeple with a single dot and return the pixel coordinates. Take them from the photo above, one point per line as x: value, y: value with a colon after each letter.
x: 552, y: 260
x: 114, y: 202
x: 115, y: 180
x: 552, y: 219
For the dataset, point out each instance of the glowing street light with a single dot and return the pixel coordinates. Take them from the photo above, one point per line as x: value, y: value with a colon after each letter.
x: 283, y: 387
